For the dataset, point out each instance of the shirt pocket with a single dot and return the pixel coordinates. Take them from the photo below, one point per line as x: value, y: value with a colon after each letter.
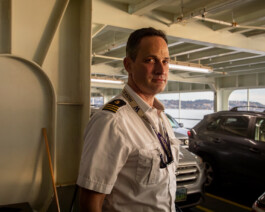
x: 148, y: 166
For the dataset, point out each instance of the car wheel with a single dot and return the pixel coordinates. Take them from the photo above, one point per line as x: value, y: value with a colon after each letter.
x: 210, y: 173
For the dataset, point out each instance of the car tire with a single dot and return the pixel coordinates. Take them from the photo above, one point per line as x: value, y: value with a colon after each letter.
x: 210, y: 173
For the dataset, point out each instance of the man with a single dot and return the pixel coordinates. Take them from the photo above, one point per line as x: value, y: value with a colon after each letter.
x: 130, y: 152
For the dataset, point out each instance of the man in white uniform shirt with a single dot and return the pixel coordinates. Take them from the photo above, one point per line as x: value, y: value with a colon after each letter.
x: 130, y: 152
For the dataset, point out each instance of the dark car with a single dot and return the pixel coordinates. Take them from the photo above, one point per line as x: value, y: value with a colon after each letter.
x: 232, y: 144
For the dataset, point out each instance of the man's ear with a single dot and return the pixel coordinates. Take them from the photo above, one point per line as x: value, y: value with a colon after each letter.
x: 127, y: 62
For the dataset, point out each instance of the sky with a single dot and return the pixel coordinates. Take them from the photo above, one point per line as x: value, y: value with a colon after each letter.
x: 187, y: 96
x: 256, y: 95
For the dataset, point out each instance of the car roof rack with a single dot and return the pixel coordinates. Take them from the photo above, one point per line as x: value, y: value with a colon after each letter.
x: 234, y: 109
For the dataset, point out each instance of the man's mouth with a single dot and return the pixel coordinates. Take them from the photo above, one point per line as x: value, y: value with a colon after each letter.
x: 159, y: 78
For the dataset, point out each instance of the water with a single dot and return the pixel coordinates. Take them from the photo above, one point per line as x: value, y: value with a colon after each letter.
x: 187, y: 116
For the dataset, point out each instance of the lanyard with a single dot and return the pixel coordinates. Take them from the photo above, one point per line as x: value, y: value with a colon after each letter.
x: 165, y: 143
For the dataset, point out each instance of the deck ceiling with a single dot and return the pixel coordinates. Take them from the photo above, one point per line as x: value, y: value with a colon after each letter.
x: 227, y: 35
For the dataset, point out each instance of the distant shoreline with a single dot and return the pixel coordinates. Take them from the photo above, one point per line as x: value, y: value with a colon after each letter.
x: 203, y: 104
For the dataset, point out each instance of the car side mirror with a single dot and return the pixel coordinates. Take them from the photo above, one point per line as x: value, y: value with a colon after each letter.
x: 181, y: 124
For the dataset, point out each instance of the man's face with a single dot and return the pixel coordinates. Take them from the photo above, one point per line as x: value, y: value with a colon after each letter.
x: 148, y: 73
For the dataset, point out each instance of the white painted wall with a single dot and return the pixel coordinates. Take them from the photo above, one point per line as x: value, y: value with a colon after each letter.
x: 26, y: 107
x: 44, y: 82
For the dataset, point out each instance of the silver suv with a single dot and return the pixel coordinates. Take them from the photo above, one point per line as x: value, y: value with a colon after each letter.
x: 190, y: 179
x: 180, y: 132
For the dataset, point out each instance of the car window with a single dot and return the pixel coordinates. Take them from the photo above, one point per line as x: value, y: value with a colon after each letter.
x: 213, y: 125
x: 235, y: 125
x: 172, y: 121
x: 260, y: 130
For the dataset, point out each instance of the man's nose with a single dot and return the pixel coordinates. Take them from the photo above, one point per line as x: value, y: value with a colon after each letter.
x: 161, y: 67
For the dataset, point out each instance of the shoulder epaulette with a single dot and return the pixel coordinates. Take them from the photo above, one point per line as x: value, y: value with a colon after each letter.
x: 114, y: 105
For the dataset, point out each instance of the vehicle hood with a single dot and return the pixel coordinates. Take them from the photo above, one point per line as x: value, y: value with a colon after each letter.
x: 180, y: 132
x: 180, y: 135
x: 186, y: 157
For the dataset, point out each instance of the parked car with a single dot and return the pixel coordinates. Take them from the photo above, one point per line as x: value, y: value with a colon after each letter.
x: 180, y: 132
x: 232, y: 144
x: 190, y: 179
x: 190, y: 176
x: 259, y: 204
x: 190, y: 172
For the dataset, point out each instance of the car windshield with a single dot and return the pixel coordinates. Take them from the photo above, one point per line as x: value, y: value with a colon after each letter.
x: 173, y: 122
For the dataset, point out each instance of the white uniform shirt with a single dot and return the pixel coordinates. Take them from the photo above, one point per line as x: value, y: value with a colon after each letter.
x: 121, y: 158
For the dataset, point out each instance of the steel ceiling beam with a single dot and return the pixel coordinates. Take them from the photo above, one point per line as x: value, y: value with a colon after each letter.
x: 233, y: 56
x: 249, y: 19
x: 211, y: 7
x: 111, y: 46
x: 245, y: 68
x: 107, y: 70
x: 214, y: 52
x: 97, y: 29
x: 188, y: 50
x: 146, y: 6
x: 240, y: 62
x: 179, y: 78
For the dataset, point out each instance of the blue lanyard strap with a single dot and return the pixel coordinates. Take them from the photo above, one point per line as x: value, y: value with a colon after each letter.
x: 165, y: 142
x: 165, y: 145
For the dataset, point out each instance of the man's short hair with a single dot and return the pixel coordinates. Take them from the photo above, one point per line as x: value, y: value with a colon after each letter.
x: 136, y: 37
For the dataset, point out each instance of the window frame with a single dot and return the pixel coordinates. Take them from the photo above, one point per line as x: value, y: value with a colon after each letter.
x: 255, y: 127
x: 221, y: 129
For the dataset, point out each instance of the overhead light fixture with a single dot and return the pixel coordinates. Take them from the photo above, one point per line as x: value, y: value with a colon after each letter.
x: 191, y: 67
x: 110, y: 81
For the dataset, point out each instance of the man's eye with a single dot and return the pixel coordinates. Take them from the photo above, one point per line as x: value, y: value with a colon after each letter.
x: 150, y: 60
x: 166, y: 61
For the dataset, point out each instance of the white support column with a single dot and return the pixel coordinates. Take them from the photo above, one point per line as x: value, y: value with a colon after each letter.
x: 215, y: 100
x: 221, y: 99
x: 248, y: 98
x: 85, y: 57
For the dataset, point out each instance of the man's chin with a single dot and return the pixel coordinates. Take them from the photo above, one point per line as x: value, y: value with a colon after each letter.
x: 158, y: 90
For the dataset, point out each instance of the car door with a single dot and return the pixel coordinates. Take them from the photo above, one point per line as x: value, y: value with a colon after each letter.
x: 245, y: 156
x: 257, y: 149
x: 227, y: 137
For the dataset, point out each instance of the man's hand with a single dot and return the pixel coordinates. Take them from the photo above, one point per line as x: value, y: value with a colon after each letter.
x: 91, y: 201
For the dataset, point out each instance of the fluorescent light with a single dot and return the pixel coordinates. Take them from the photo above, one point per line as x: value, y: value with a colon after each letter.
x: 192, y: 67
x: 106, y: 81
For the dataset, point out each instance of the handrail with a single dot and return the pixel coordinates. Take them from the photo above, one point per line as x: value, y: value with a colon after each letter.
x: 177, y: 118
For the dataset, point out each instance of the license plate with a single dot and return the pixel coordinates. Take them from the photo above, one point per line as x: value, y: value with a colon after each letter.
x: 181, y: 194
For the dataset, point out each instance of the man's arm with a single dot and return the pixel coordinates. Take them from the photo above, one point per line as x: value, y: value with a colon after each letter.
x: 91, y: 201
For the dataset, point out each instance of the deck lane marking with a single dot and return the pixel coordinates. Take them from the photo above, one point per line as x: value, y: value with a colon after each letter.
x: 203, y: 209
x: 229, y: 202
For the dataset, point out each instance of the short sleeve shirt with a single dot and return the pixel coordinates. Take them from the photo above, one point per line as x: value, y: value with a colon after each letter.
x: 121, y: 158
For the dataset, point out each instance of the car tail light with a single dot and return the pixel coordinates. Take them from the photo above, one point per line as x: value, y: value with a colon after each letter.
x: 191, y: 133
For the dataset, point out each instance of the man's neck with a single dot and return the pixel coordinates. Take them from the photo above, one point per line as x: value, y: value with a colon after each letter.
x: 148, y: 98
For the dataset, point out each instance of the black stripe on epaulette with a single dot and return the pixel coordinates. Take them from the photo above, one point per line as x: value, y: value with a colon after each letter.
x: 114, y: 105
